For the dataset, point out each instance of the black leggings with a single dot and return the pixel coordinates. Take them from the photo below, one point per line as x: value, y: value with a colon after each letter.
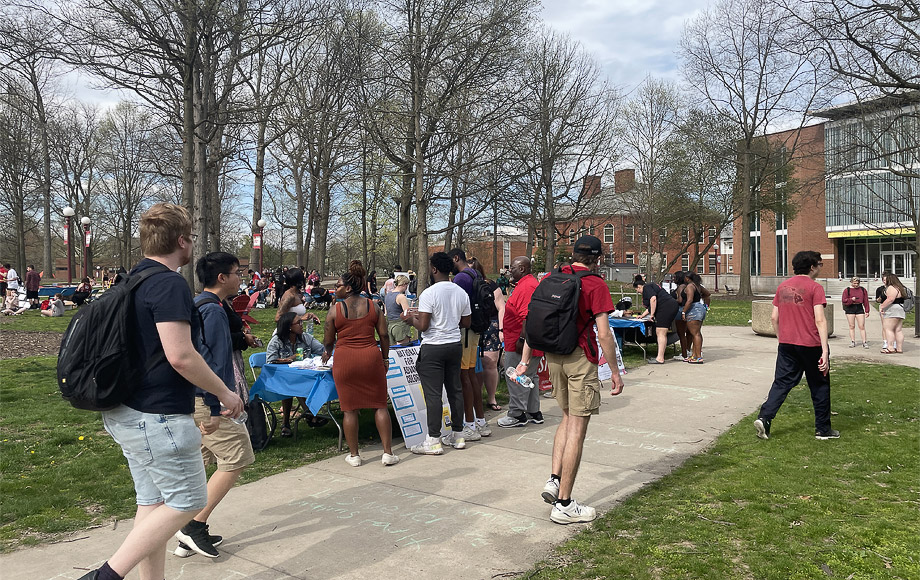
x: 437, y: 365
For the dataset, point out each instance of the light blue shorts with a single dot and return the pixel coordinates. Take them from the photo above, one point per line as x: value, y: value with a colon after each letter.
x: 164, y: 455
x: 697, y: 312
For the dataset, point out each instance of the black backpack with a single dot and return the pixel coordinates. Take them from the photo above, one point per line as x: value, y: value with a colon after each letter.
x: 97, y: 364
x: 482, y: 303
x: 552, y: 317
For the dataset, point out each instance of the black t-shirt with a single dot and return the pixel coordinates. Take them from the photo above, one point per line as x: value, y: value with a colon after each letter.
x: 162, y: 298
x: 650, y: 290
x: 880, y: 293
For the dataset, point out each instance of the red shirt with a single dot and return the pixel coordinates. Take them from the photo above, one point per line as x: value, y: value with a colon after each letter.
x: 856, y: 296
x: 516, y: 311
x: 593, y: 300
x: 796, y: 299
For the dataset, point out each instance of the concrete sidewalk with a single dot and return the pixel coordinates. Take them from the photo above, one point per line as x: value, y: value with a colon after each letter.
x: 472, y: 513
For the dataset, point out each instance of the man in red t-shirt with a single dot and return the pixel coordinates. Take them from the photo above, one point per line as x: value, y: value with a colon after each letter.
x: 801, y: 327
x: 576, y: 386
x: 523, y: 402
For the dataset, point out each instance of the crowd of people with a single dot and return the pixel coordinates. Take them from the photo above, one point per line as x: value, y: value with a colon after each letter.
x: 187, y: 410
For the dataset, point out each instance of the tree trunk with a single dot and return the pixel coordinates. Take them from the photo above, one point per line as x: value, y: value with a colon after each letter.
x: 257, y: 190
x: 744, y: 264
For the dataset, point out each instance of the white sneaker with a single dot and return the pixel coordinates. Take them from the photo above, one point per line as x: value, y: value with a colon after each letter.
x: 572, y: 514
x: 430, y: 446
x: 455, y: 440
x: 551, y: 490
x: 389, y: 459
x: 353, y: 460
x: 183, y: 551
x: 680, y: 358
x: 470, y: 433
x: 484, y: 429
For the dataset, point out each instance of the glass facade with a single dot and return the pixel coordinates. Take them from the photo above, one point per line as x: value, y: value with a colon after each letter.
x: 869, y: 257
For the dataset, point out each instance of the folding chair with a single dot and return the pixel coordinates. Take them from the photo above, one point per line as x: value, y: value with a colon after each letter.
x: 240, y: 305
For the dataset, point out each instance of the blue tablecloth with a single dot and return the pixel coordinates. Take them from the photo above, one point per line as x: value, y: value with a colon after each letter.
x: 277, y: 382
x: 619, y: 326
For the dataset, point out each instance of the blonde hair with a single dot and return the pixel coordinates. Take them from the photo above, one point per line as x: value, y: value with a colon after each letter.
x: 402, y: 280
x: 161, y: 226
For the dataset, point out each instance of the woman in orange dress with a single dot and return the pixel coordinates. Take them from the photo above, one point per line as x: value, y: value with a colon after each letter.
x: 360, y: 367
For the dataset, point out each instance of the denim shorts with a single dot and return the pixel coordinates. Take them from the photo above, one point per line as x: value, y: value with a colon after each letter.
x: 697, y: 312
x: 164, y: 455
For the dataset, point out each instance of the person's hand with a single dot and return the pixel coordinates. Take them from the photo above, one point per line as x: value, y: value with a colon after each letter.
x: 232, y: 402
x: 326, y: 356
x: 210, y: 426
x: 250, y: 339
x: 824, y: 364
x: 310, y: 316
x: 521, y: 369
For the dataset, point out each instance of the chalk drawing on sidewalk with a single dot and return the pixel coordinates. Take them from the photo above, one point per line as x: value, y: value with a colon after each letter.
x: 695, y: 394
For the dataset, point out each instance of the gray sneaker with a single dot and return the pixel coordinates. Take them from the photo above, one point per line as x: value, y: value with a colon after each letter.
x: 551, y: 490
x: 573, y: 513
x: 484, y: 429
x: 509, y: 421
x: 471, y: 433
x: 454, y: 439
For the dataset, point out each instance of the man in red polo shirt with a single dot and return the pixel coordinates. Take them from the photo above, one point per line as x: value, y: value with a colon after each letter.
x: 523, y: 402
x: 576, y: 386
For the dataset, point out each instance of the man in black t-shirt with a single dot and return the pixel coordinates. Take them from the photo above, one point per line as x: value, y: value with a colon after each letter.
x: 155, y: 427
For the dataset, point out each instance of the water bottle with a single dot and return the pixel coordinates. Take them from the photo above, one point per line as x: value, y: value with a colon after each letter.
x: 241, y: 420
x: 522, y: 380
x: 309, y: 328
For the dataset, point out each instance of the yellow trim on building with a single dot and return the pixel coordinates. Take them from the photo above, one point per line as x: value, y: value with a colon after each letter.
x: 871, y: 233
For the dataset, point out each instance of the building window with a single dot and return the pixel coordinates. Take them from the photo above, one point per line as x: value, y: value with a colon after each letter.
x: 630, y: 259
x: 712, y: 263
x: 755, y: 255
x: 571, y: 237
x: 630, y: 234
x: 699, y: 266
x: 608, y: 234
x: 685, y: 262
x: 662, y: 235
x: 591, y: 230
x: 782, y: 253
x: 712, y: 234
x: 685, y: 235
x: 643, y: 236
x: 506, y: 253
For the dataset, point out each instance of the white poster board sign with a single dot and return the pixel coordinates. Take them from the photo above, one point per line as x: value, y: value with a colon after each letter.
x: 603, y: 368
x: 407, y: 397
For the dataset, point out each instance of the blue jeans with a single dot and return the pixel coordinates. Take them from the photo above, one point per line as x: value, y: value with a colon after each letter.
x: 164, y: 455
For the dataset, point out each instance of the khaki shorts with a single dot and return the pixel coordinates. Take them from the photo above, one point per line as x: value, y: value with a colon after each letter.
x: 470, y: 342
x: 575, y: 383
x: 229, y: 447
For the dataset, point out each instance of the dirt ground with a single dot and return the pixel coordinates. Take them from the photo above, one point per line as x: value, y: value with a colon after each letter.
x: 20, y: 343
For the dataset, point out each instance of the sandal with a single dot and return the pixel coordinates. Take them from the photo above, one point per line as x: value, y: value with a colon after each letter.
x: 886, y: 351
x: 495, y: 406
x: 286, y: 432
x: 316, y: 422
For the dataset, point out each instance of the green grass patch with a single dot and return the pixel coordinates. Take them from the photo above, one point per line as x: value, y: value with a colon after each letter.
x: 32, y: 320
x: 787, y: 508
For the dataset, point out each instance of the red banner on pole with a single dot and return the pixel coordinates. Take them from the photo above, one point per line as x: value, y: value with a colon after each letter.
x: 257, y: 241
x: 66, y: 234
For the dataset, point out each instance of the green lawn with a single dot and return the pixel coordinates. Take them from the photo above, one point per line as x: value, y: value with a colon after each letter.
x: 787, y: 508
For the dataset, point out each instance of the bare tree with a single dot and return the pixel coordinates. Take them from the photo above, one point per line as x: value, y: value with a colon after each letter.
x: 744, y: 58
x: 565, y: 131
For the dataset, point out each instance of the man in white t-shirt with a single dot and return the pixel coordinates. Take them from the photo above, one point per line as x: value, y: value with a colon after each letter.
x: 12, y: 280
x: 444, y: 308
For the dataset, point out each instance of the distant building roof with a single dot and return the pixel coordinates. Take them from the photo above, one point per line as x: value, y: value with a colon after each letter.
x: 859, y: 108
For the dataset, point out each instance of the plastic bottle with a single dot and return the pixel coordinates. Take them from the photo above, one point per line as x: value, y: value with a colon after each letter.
x: 309, y: 328
x: 522, y: 380
x: 241, y: 420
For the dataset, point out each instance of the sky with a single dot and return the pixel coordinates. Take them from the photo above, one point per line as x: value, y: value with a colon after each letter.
x: 630, y: 39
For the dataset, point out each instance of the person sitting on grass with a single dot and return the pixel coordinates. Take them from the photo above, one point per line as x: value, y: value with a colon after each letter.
x: 55, y: 307
x: 11, y: 305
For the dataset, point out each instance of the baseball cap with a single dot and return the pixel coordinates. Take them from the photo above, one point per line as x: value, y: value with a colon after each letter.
x: 588, y: 245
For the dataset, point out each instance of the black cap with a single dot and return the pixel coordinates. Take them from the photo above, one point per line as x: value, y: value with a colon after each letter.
x: 588, y: 245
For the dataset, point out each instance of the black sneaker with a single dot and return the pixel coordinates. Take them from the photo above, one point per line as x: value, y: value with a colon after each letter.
x: 195, y: 536
x: 763, y: 428
x: 829, y: 434
x: 536, y: 417
x: 184, y: 551
x: 90, y: 575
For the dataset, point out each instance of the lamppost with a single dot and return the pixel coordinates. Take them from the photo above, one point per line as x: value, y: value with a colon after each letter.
x: 261, y: 223
x: 86, y: 239
x: 68, y: 214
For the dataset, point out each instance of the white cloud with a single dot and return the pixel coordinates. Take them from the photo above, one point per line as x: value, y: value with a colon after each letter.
x: 631, y: 39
